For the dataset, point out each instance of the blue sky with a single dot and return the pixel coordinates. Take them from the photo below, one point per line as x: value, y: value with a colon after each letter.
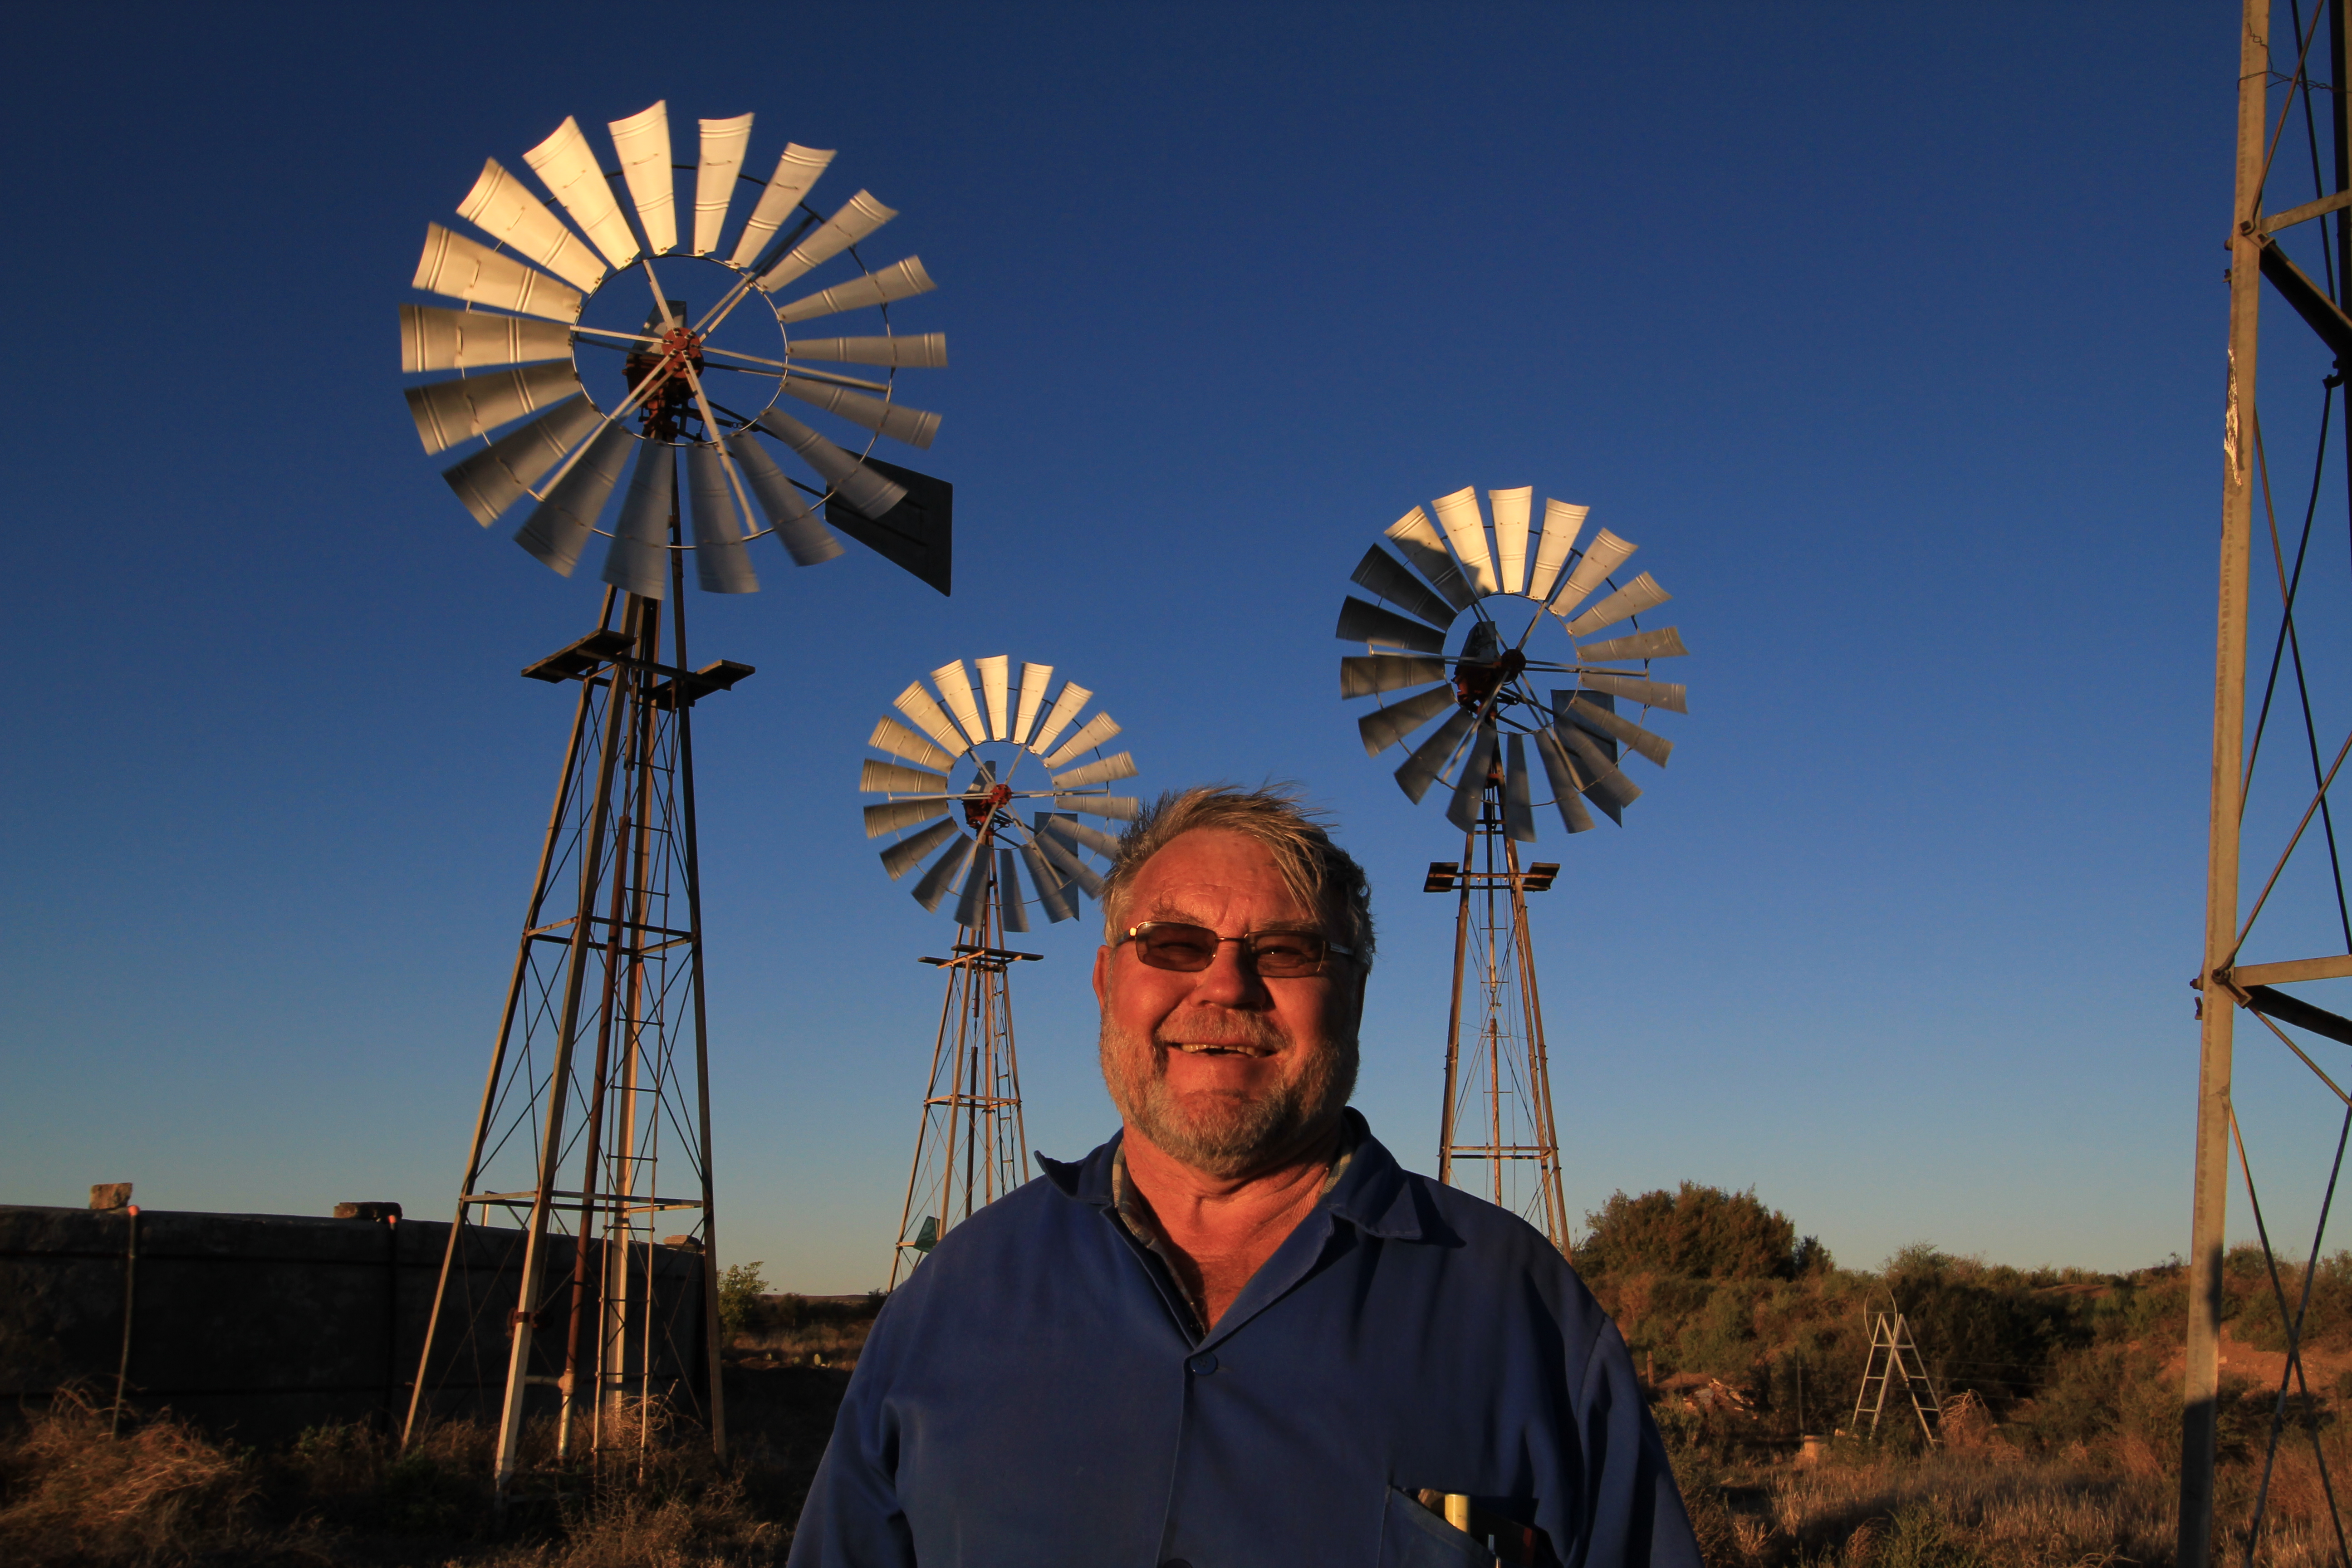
x: 1893, y: 336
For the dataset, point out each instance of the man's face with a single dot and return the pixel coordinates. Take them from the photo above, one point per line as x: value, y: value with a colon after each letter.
x: 1223, y: 1069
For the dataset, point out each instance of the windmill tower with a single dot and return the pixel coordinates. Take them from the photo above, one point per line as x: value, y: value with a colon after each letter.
x: 954, y: 781
x: 584, y: 352
x: 1501, y: 687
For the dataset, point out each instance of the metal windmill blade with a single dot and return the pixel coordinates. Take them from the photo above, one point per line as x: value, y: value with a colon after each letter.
x: 967, y: 749
x: 540, y: 347
x: 1460, y: 639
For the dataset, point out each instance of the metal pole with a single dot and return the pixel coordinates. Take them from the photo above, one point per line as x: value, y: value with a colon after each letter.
x: 2203, y: 1371
x: 1454, y: 1017
x: 1538, y: 1061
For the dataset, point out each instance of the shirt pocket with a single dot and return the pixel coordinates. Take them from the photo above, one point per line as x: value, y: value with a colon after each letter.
x: 1413, y: 1537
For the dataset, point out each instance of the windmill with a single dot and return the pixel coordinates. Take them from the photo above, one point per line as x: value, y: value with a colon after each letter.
x: 1500, y: 689
x: 618, y: 344
x: 951, y: 786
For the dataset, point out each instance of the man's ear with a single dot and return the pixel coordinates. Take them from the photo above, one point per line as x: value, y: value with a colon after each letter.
x: 1102, y: 976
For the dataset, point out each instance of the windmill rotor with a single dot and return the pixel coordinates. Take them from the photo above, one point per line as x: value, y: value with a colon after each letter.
x: 1521, y: 688
x: 599, y: 330
x: 990, y: 784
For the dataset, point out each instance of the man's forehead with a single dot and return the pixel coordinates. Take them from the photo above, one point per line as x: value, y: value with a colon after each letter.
x: 1197, y: 874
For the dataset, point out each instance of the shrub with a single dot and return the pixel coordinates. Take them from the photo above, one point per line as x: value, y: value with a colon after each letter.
x: 739, y: 1289
x: 1697, y: 1233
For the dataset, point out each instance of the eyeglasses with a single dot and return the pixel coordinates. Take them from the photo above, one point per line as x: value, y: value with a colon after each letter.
x: 1273, y: 954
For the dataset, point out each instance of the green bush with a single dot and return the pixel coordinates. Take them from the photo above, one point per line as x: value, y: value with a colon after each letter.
x: 739, y: 1289
x: 1696, y: 1232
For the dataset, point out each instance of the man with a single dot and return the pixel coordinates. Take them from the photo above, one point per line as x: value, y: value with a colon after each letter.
x: 1239, y: 1333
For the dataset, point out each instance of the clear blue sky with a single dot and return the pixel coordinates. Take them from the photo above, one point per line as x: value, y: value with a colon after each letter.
x: 1893, y: 335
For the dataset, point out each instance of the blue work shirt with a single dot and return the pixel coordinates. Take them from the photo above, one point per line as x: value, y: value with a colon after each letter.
x: 1038, y: 1396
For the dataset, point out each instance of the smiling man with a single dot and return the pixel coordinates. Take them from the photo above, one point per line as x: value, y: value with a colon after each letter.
x: 1238, y: 1332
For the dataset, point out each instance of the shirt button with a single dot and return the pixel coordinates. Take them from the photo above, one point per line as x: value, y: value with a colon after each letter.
x: 1200, y: 1365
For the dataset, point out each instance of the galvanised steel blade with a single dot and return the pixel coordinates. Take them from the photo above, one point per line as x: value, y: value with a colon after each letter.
x: 449, y: 411
x: 457, y: 268
x: 723, y: 146
x: 995, y: 677
x: 558, y: 530
x: 1053, y: 841
x: 1385, y: 727
x: 1420, y: 769
x: 1601, y: 721
x: 502, y: 206
x: 925, y: 350
x: 1371, y: 625
x: 1368, y: 675
x: 1034, y: 679
x: 1108, y: 770
x: 954, y: 682
x: 1391, y: 579
x: 643, y: 141
x: 638, y: 562
x: 1642, y: 593
x: 808, y: 541
x: 916, y: 426
x: 502, y: 473
x: 1510, y: 508
x: 1075, y: 833
x: 890, y: 778
x: 1118, y: 808
x: 1666, y: 694
x: 942, y: 874
x: 1562, y: 524
x: 975, y: 896
x: 1611, y: 790
x: 722, y: 564
x: 796, y: 173
x: 1604, y: 555
x: 1567, y: 788
x: 899, y: 281
x: 1425, y: 548
x: 1012, y: 911
x: 864, y: 491
x: 894, y: 738
x: 859, y: 217
x: 1091, y: 734
x: 1465, y: 529
x: 929, y: 717
x: 566, y: 165
x: 1666, y: 642
x: 433, y: 338
x: 1518, y: 808
x: 1470, y: 788
x: 1052, y: 896
x: 1065, y: 708
x: 891, y: 815
x: 906, y: 854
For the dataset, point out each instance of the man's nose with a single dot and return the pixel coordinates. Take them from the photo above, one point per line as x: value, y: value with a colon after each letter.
x: 1229, y: 981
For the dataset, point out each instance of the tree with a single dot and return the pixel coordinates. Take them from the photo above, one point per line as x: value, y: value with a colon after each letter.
x: 1696, y: 1232
x: 739, y: 1289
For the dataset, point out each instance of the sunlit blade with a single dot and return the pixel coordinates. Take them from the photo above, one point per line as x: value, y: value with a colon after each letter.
x: 1420, y: 769
x: 1665, y: 694
x: 1385, y: 727
x: 864, y: 491
x: 1065, y: 708
x: 1034, y: 678
x: 894, y: 738
x: 1562, y: 524
x: 1108, y: 770
x: 1077, y: 833
x: 1376, y: 627
x: 502, y: 473
x: 1385, y: 577
x: 1092, y: 733
x: 892, y: 815
x: 1611, y: 790
x: 1465, y: 529
x: 807, y: 541
x: 458, y: 269
x: 996, y: 675
x: 566, y: 165
x: 927, y: 350
x: 859, y: 217
x: 915, y: 427
x: 906, y: 854
x: 1470, y: 786
x: 1567, y: 788
x: 638, y: 562
x: 1601, y: 722
x: 1511, y: 535
x: 1425, y: 548
x: 1011, y: 915
x: 1053, y: 897
x: 1606, y: 553
x: 723, y: 142
x: 722, y: 564
x: 889, y: 778
x: 1363, y: 674
x: 1666, y: 642
x: 1642, y: 593
x: 796, y: 172
x: 501, y: 207
x: 448, y: 412
x: 899, y: 281
x: 559, y: 528
x: 929, y: 717
x: 1518, y: 803
x: 954, y: 682
x: 432, y: 338
x: 1119, y: 807
x: 942, y: 874
x: 973, y: 900
x: 643, y: 141
x: 1066, y: 860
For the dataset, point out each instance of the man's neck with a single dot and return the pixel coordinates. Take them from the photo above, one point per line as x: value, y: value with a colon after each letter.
x: 1223, y: 1229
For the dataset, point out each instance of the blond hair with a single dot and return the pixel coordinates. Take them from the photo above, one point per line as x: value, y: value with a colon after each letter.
x: 1318, y: 872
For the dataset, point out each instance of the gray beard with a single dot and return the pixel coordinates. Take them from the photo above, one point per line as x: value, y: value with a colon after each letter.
x: 1224, y: 1135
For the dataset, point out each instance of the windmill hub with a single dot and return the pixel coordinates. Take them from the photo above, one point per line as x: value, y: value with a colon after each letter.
x: 1473, y: 683
x: 980, y: 805
x: 672, y: 400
